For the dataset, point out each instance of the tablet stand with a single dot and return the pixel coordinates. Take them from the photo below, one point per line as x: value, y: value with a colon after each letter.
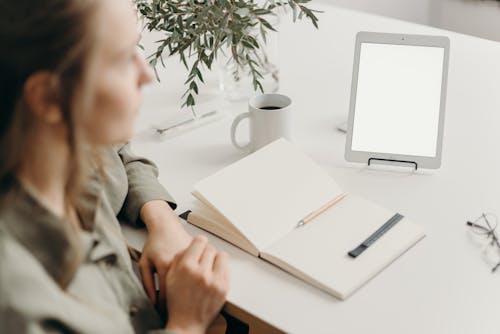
x: 391, y: 160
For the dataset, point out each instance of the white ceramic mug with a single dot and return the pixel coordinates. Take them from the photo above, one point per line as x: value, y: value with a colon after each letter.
x: 269, y: 116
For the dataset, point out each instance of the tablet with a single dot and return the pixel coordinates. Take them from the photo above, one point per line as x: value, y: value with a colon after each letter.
x: 398, y: 99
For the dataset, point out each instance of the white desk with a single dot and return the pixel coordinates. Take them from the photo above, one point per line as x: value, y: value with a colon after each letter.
x: 440, y: 286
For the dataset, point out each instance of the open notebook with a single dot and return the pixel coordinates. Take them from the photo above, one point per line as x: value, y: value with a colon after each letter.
x: 257, y: 202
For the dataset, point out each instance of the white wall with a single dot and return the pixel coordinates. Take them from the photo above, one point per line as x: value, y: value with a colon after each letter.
x: 408, y: 10
x: 472, y: 17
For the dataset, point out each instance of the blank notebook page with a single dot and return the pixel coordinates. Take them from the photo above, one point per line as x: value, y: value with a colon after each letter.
x: 319, y: 249
x: 266, y: 193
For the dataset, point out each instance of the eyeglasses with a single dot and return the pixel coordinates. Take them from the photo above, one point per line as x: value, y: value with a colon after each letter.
x: 484, y: 226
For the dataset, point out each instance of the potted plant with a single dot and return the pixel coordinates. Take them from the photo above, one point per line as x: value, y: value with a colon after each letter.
x: 199, y: 30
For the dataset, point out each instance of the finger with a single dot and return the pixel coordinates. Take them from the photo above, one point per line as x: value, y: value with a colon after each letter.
x: 162, y: 264
x: 221, y: 266
x: 162, y: 268
x: 207, y: 258
x: 221, y: 273
x: 177, y: 258
x: 195, y: 250
x: 162, y: 287
x: 148, y: 281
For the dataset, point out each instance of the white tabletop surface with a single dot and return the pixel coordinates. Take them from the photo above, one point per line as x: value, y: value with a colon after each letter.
x: 442, y: 285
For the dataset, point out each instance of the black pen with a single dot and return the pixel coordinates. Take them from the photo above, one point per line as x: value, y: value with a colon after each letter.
x: 376, y: 235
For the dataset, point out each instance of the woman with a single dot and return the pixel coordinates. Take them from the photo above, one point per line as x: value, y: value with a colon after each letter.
x: 70, y: 81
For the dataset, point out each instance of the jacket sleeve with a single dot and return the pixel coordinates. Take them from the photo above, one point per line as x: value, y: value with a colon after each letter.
x: 143, y: 184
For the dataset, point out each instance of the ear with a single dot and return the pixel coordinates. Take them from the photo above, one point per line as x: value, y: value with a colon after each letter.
x: 40, y: 92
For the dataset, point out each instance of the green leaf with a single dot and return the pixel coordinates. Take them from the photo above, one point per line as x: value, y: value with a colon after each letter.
x: 261, y: 11
x: 190, y: 78
x: 193, y: 86
x: 194, y: 68
x: 183, y: 59
x: 263, y: 33
x: 190, y: 100
x: 247, y: 44
x: 258, y: 86
x: 196, y: 30
x: 198, y: 73
x: 267, y: 24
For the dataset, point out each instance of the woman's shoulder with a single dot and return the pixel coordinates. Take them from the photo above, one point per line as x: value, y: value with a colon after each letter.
x: 27, y: 292
x: 21, y: 274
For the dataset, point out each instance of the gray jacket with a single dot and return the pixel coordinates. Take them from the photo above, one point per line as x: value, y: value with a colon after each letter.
x: 54, y: 280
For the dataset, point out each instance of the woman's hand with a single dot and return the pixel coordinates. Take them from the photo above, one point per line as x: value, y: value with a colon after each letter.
x: 166, y: 237
x: 196, y: 285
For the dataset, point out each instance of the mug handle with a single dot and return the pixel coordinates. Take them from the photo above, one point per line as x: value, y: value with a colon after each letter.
x: 234, y: 126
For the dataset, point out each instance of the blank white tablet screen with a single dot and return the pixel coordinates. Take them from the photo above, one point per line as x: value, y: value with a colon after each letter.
x: 398, y: 99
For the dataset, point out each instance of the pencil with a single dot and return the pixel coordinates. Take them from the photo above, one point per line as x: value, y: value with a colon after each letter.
x: 325, y: 207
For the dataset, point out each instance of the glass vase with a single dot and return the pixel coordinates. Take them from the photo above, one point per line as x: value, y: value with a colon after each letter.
x: 235, y: 79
